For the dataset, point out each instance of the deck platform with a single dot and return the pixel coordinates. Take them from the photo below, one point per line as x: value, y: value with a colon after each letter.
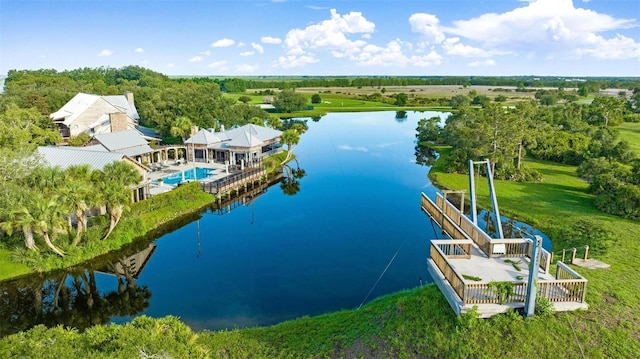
x: 465, y: 267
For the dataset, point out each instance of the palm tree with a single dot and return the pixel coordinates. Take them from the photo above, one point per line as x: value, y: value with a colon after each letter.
x: 79, y: 196
x: 290, y: 138
x: 47, y: 218
x: 181, y: 127
x: 117, y: 177
x: 21, y: 219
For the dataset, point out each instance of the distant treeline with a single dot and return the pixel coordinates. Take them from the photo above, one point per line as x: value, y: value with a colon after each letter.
x: 591, y: 84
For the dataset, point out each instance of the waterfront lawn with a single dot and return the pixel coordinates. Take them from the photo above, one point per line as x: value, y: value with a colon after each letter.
x: 561, y: 207
x: 8, y: 268
x: 142, y: 218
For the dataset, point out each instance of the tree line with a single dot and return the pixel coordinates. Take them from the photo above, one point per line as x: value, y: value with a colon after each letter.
x: 583, y: 135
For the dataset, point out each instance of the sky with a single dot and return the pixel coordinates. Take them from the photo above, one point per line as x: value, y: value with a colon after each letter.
x: 569, y: 38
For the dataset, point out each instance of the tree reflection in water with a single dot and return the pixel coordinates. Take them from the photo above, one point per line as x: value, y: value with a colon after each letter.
x: 71, y: 298
x: 290, y: 184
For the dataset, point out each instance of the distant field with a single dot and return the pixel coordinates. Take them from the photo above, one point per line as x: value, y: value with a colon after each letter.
x: 631, y: 132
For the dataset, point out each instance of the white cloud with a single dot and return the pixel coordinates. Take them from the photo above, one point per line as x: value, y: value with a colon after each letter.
x: 105, y: 52
x: 488, y: 62
x: 548, y: 29
x: 296, y: 61
x: 223, y: 43
x: 139, y: 50
x: 428, y: 26
x: 195, y: 59
x: 171, y: 65
x: 619, y: 47
x: 271, y: 40
x: 394, y: 55
x: 351, y: 148
x: 207, y: 53
x: 329, y: 35
x: 452, y: 46
x: 241, y: 44
x: 246, y: 53
x: 257, y: 47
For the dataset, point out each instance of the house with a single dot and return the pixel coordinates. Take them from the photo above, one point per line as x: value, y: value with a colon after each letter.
x: 239, y: 146
x: 97, y: 157
x: 94, y: 114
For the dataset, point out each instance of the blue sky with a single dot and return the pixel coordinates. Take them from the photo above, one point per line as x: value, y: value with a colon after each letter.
x: 355, y: 37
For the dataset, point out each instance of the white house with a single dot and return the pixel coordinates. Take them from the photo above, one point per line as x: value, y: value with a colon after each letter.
x: 94, y: 114
x: 247, y: 144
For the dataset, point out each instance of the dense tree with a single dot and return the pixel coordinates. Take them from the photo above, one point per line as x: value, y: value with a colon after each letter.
x: 289, y: 101
x: 315, y: 99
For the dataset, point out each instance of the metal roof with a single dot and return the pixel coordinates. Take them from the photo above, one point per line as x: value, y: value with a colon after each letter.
x: 129, y: 142
x: 71, y: 156
x: 203, y: 137
x: 245, y: 136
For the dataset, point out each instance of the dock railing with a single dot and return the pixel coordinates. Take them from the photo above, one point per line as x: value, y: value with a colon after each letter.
x: 231, y: 182
x: 568, y: 286
x: 460, y: 226
x: 439, y: 258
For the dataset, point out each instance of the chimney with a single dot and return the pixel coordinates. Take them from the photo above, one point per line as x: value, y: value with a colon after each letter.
x: 129, y: 96
x: 118, y: 121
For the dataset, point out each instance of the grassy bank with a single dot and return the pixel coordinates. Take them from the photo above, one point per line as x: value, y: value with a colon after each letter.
x: 142, y: 218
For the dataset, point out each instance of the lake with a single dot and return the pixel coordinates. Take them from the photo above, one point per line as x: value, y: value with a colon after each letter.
x: 345, y: 229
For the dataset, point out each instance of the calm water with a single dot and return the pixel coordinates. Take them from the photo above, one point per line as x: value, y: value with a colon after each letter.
x: 348, y: 230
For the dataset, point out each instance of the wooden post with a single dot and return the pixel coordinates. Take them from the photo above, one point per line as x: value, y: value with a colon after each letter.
x: 563, y: 251
x: 573, y: 255
x: 586, y: 252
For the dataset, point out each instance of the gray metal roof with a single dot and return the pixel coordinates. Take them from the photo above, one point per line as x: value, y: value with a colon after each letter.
x: 260, y: 132
x: 245, y: 136
x: 70, y: 156
x: 121, y: 102
x: 129, y: 142
x: 203, y: 137
x: 245, y: 139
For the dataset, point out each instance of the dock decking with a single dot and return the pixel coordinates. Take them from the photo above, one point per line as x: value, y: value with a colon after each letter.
x: 464, y: 267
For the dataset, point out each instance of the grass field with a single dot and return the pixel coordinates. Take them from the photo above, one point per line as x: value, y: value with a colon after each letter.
x: 630, y: 131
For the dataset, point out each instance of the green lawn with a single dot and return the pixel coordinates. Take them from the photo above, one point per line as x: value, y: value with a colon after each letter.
x: 630, y: 131
x: 8, y: 268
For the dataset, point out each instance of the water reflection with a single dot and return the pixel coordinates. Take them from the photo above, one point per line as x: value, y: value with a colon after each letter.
x: 401, y: 116
x: 72, y: 298
x: 290, y: 184
x: 425, y: 156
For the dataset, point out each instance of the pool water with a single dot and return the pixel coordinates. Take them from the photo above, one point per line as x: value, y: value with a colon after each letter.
x: 196, y: 173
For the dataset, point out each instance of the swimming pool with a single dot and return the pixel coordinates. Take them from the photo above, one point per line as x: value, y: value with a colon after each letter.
x: 196, y: 173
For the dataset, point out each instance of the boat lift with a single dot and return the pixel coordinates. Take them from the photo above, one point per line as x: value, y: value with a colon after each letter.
x: 492, y: 195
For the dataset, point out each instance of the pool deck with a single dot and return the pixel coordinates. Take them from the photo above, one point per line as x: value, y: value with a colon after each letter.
x: 171, y: 167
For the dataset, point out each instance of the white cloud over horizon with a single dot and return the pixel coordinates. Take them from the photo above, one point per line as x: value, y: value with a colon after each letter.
x: 105, y: 52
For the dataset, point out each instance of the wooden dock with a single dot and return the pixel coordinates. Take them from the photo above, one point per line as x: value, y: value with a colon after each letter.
x: 235, y: 182
x: 464, y: 267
